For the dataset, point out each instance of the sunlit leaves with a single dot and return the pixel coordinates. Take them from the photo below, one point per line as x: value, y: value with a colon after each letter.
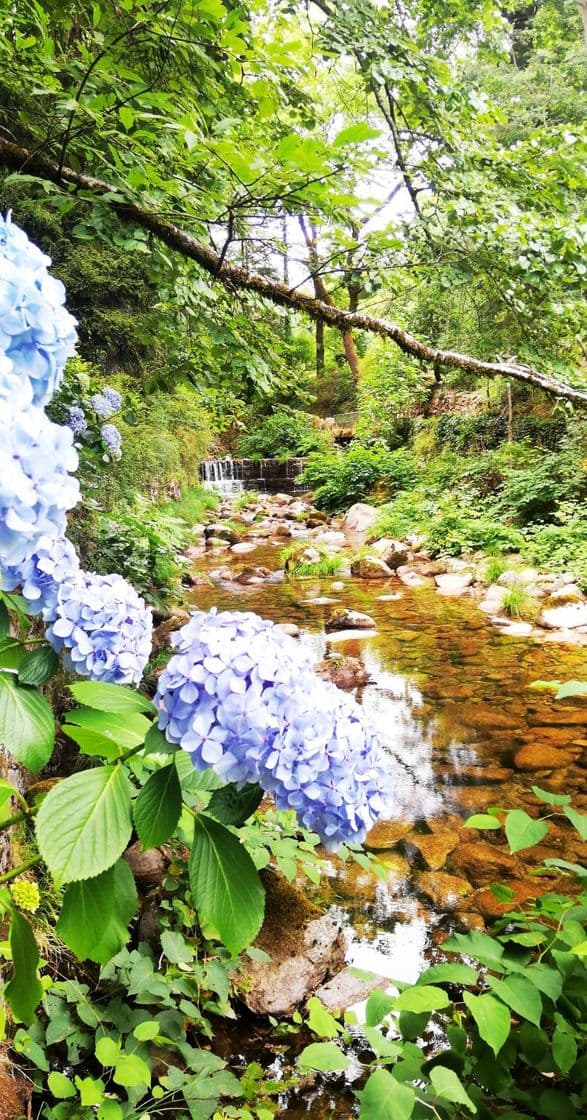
x: 84, y: 824
x: 27, y: 727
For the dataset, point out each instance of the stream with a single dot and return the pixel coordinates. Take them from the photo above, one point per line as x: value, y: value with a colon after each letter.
x: 450, y: 696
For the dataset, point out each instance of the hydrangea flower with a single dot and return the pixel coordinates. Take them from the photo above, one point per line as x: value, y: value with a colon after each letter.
x: 14, y: 388
x: 77, y: 420
x: 41, y: 574
x: 211, y: 695
x: 36, y: 489
x: 111, y: 436
x: 114, y: 399
x: 106, y: 403
x: 36, y: 331
x: 241, y: 697
x: 102, y: 627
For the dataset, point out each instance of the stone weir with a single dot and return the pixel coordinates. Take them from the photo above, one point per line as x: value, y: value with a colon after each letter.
x: 270, y: 476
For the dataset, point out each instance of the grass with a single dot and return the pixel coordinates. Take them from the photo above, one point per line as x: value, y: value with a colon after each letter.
x: 298, y: 568
x: 193, y: 506
x: 247, y: 498
x: 495, y: 566
x: 518, y: 603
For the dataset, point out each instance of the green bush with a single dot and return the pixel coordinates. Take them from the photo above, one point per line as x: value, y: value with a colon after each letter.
x: 466, y: 434
x: 144, y: 545
x: 282, y: 435
x: 563, y: 545
x: 341, y: 478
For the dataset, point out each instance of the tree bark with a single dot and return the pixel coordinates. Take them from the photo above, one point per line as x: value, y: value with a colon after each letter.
x: 235, y: 277
x: 321, y: 292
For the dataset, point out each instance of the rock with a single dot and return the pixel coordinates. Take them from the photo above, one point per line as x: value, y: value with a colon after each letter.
x: 162, y: 633
x: 338, y: 585
x: 346, y: 989
x: 306, y: 948
x: 560, y: 716
x: 344, y: 672
x: 330, y: 537
x: 252, y: 575
x: 370, y: 567
x: 433, y: 568
x: 283, y: 531
x: 491, y: 907
x: 445, y: 892
x: 564, y: 618
x: 221, y: 532
x: 481, y: 775
x: 483, y: 863
x: 541, y: 756
x: 393, y: 553
x: 316, y: 518
x: 289, y: 628
x: 242, y: 547
x: 453, y: 583
x: 433, y: 847
x: 411, y: 578
x: 360, y: 518
x: 343, y: 619
x: 516, y: 629
x: 351, y: 635
x: 517, y: 577
x: 494, y: 597
x: 475, y: 799
x: 570, y: 593
x: 148, y: 868
x: 386, y: 834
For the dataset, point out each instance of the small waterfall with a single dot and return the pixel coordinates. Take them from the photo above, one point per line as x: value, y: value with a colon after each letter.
x: 220, y: 475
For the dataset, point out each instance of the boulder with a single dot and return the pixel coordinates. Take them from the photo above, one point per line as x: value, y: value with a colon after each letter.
x: 434, y: 847
x: 570, y: 593
x: 347, y: 988
x: 491, y: 907
x: 393, y: 553
x: 483, y: 863
x: 345, y: 672
x: 386, y: 834
x: 541, y: 756
x: 360, y: 518
x: 162, y: 633
x: 252, y: 575
x: 370, y: 567
x: 243, y: 547
x: 306, y: 947
x: 453, y: 583
x: 222, y: 532
x: 411, y: 578
x: 564, y: 618
x: 343, y: 619
x: 445, y: 892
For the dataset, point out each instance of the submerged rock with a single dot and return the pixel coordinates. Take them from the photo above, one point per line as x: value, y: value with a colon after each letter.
x: 222, y: 532
x: 370, y: 567
x: 344, y: 672
x: 433, y: 847
x: 483, y: 863
x: 541, y: 756
x: 343, y: 619
x: 453, y: 583
x: 445, y: 892
x: 347, y: 988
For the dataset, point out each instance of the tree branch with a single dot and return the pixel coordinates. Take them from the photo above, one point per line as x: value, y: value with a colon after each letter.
x: 234, y: 276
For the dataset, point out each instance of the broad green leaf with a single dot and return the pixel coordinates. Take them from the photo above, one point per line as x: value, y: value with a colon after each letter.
x: 522, y: 831
x: 192, y: 780
x: 96, y: 912
x: 12, y: 654
x: 320, y: 1020
x: 482, y: 820
x: 108, y: 1051
x: 157, y: 809
x: 564, y: 1049
x: 126, y: 729
x: 355, y: 134
x: 571, y: 688
x: 326, y: 1057
x: 24, y: 991
x: 227, y: 891
x: 384, y: 1098
x: 551, y: 798
x: 230, y: 805
x: 449, y: 1088
x: 421, y: 998
x: 175, y: 947
x: 4, y: 621
x: 92, y: 743
x: 84, y: 824
x: 492, y: 1018
x: 110, y: 1110
x: 378, y: 1006
x: 548, y: 980
x: 91, y: 1090
x: 479, y: 945
x: 131, y: 1071
x: 60, y: 1086
x: 521, y: 995
x: 27, y: 727
x: 564, y: 865
x: 578, y: 820
x: 449, y: 974
x: 580, y: 950
x: 38, y: 666
x: 156, y: 743
x: 110, y: 697
x: 147, y: 1031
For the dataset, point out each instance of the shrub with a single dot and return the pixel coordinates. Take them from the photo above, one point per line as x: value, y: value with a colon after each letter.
x: 144, y: 545
x: 282, y: 435
x: 562, y: 545
x: 342, y: 477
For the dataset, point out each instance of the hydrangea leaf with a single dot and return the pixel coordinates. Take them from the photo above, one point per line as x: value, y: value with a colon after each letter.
x: 231, y: 805
x: 227, y: 891
x: 110, y: 697
x: 27, y: 727
x: 95, y: 914
x: 157, y: 809
x: 38, y: 666
x: 24, y: 991
x: 84, y: 824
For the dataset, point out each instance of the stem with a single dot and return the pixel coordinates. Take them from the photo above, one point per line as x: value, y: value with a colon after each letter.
x: 24, y: 816
x: 8, y: 875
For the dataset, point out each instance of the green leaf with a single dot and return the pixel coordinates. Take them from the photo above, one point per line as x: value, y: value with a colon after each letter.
x: 38, y: 666
x: 108, y: 1051
x: 564, y: 1049
x: 4, y: 621
x: 571, y: 688
x: 147, y: 1031
x: 578, y: 820
x: 175, y: 947
x: 551, y: 798
x: 482, y: 820
x: 110, y: 1110
x: 230, y: 805
x: 355, y: 134
x: 60, y: 1086
x: 492, y: 1018
x: 326, y: 1057
x: 24, y: 991
x: 91, y: 1090
x: 84, y: 824
x: 449, y: 1087
x: 92, y: 743
x: 378, y: 1006
x: 156, y: 743
x: 227, y: 891
x: 479, y: 945
x: 548, y: 980
x: 449, y: 974
x: 521, y: 995
x: 110, y: 697
x: 320, y: 1020
x: 27, y: 727
x: 384, y: 1098
x: 96, y: 912
x: 157, y: 809
x: 126, y: 729
x: 421, y: 998
x: 522, y: 831
x: 131, y: 1071
x: 12, y: 654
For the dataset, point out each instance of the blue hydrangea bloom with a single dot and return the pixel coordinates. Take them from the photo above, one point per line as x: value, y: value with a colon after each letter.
x: 111, y: 436
x: 106, y: 403
x: 77, y: 420
x: 41, y: 574
x: 102, y: 627
x: 36, y: 331
x: 114, y: 399
x: 14, y: 388
x: 36, y: 489
x: 242, y: 698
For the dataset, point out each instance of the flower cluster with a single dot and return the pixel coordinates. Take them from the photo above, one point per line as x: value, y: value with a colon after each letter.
x: 41, y: 574
x: 77, y: 420
x: 106, y: 403
x: 111, y: 436
x: 102, y: 627
x: 241, y: 697
x: 36, y: 331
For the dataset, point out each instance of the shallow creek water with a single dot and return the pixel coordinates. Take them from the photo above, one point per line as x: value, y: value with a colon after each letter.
x: 450, y: 696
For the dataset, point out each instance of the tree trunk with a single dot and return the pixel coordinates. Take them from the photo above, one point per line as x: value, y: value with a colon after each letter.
x: 319, y: 349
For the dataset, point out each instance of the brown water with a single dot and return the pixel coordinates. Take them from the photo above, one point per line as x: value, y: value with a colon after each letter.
x: 451, y: 698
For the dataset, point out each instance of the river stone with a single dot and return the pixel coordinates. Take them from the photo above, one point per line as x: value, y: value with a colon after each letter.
x: 453, y: 583
x: 198, y: 530
x: 282, y: 530
x: 564, y: 618
x: 344, y: 672
x: 347, y: 989
x: 252, y: 575
x: 570, y: 593
x: 541, y: 756
x: 360, y: 518
x: 515, y: 629
x: 343, y: 619
x: 289, y: 628
x: 330, y: 536
x: 222, y: 532
x: 386, y: 834
x: 162, y: 633
x: 306, y: 947
x: 370, y: 567
x: 445, y: 892
x: 434, y: 847
x: 411, y: 578
x: 242, y: 547
x: 393, y: 553
x: 491, y: 907
x: 483, y: 863
x: 560, y: 717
